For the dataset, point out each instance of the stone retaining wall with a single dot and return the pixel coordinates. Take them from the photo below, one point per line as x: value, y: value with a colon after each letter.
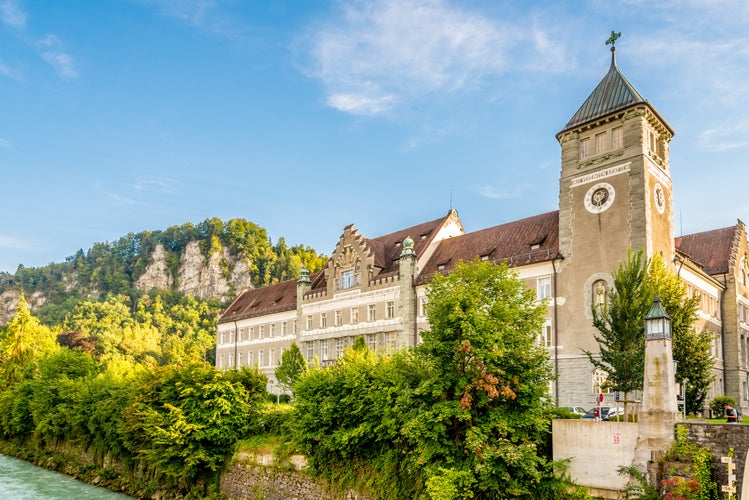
x: 720, y: 438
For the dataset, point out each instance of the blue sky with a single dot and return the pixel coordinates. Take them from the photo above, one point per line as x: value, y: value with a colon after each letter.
x: 305, y: 116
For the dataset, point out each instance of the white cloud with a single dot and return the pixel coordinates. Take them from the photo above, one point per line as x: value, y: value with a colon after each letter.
x: 13, y: 243
x: 377, y: 54
x: 492, y: 192
x: 5, y: 144
x: 52, y: 52
x: 725, y: 137
x: 12, y: 14
x: 164, y: 186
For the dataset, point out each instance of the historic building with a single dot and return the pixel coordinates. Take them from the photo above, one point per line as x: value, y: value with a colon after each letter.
x: 615, y: 193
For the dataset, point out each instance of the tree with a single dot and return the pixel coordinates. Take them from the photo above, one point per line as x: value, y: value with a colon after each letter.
x: 621, y: 325
x: 481, y: 420
x: 25, y: 341
x: 292, y: 367
x: 621, y: 328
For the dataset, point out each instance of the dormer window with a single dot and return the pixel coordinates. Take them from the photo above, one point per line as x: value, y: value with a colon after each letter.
x: 535, y: 246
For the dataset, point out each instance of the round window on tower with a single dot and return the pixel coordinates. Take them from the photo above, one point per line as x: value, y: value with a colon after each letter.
x: 599, y: 198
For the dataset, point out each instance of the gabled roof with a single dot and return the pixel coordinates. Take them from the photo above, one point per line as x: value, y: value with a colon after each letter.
x: 710, y: 249
x: 525, y: 241
x: 260, y: 301
x: 614, y: 93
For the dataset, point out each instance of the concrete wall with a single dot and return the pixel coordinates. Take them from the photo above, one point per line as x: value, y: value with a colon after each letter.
x: 595, y: 450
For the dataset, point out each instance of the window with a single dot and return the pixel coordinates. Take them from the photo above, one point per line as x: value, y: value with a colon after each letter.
x: 347, y: 278
x: 250, y: 358
x: 261, y: 331
x: 372, y: 341
x: 271, y: 357
x: 239, y: 360
x: 252, y: 333
x: 272, y: 330
x: 284, y: 328
x: 423, y: 306
x: 371, y: 312
x: 221, y: 361
x: 294, y: 327
x: 543, y: 287
x: 242, y: 334
x: 338, y: 317
x: 260, y: 358
x: 390, y: 309
x: 391, y: 344
x: 309, y: 322
x: 600, y: 379
x: 323, y: 320
x: 584, y: 148
x: 544, y: 338
x: 338, y: 347
x: 231, y: 361
x: 601, y: 143
x: 354, y: 315
x: 222, y: 339
x: 617, y: 138
x: 310, y: 352
x: 231, y: 337
x: 324, y: 349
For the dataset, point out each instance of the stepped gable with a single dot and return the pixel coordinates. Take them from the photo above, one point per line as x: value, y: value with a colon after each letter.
x: 522, y: 242
x: 710, y: 250
x: 260, y: 301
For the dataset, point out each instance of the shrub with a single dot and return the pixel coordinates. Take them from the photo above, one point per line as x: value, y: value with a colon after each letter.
x: 717, y: 405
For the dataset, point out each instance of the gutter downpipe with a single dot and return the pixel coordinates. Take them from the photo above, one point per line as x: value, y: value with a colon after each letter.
x: 559, y: 257
x: 236, y: 340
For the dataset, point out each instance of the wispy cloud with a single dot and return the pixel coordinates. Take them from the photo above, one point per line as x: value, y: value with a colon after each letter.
x: 494, y: 193
x: 725, y: 137
x: 375, y: 55
x: 51, y: 50
x: 13, y: 243
x: 164, y: 186
x: 5, y: 144
x: 11, y: 14
x: 206, y: 15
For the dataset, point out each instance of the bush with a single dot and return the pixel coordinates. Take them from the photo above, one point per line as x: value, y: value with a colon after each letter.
x: 717, y: 405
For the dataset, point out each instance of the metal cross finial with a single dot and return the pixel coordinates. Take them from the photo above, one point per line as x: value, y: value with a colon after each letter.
x: 613, y: 38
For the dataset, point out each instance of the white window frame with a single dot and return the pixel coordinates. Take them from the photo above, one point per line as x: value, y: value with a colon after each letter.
x: 543, y: 287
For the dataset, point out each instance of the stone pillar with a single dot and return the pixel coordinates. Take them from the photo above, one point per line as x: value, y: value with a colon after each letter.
x: 407, y: 302
x: 659, y: 411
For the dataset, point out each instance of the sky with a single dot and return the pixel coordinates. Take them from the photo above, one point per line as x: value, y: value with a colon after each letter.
x: 122, y: 116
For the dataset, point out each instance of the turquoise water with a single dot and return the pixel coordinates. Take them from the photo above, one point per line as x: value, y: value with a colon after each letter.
x: 21, y: 480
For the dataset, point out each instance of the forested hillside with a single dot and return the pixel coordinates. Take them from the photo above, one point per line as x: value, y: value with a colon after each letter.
x: 211, y: 260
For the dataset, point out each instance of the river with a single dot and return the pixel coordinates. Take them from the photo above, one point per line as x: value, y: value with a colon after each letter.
x: 21, y: 480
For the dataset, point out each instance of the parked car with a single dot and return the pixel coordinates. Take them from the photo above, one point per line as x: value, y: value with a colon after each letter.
x: 607, y: 412
x: 577, y: 410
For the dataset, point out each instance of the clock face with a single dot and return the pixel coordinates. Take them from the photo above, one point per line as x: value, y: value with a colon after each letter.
x: 660, y: 198
x: 599, y: 198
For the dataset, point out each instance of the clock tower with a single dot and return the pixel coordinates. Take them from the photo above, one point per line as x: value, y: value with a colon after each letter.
x: 614, y: 195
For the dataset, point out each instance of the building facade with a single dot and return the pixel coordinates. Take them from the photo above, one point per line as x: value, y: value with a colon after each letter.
x: 615, y: 194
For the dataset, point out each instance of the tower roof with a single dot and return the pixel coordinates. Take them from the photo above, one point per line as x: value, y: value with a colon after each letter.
x: 614, y: 93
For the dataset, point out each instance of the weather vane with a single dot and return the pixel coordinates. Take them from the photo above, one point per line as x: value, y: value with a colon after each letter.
x: 613, y: 38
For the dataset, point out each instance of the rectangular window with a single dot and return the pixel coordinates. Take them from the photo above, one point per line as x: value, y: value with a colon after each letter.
x: 584, y: 148
x: 543, y: 287
x: 372, y: 341
x: 231, y: 361
x: 239, y: 360
x: 310, y: 352
x: 423, y: 306
x: 309, y: 322
x: 260, y: 358
x: 271, y: 357
x: 347, y: 279
x: 617, y: 138
x: 544, y: 338
x: 338, y: 347
x: 242, y: 334
x: 391, y: 344
x: 354, y: 315
x: 338, y: 317
x: 221, y: 361
x: 324, y: 350
x: 390, y: 309
x: 294, y: 327
x: 252, y: 333
x: 371, y: 312
x: 601, y: 143
x: 250, y: 359
x: 231, y: 337
x: 323, y: 320
x: 284, y: 328
x: 222, y: 338
x: 261, y: 331
x: 272, y: 331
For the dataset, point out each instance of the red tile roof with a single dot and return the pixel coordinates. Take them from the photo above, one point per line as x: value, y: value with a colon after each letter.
x: 514, y: 243
x: 710, y: 249
x: 260, y: 301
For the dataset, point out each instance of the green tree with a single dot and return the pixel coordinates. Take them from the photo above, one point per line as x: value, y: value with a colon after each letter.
x: 24, y: 342
x: 292, y: 367
x: 621, y: 325
x: 482, y: 418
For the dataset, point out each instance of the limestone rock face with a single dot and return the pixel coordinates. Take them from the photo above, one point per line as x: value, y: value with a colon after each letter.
x: 9, y: 302
x: 157, y: 275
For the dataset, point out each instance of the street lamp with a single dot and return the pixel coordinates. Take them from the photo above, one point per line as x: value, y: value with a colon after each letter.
x: 657, y: 322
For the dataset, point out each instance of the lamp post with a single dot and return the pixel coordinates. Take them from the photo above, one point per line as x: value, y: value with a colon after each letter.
x: 657, y: 322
